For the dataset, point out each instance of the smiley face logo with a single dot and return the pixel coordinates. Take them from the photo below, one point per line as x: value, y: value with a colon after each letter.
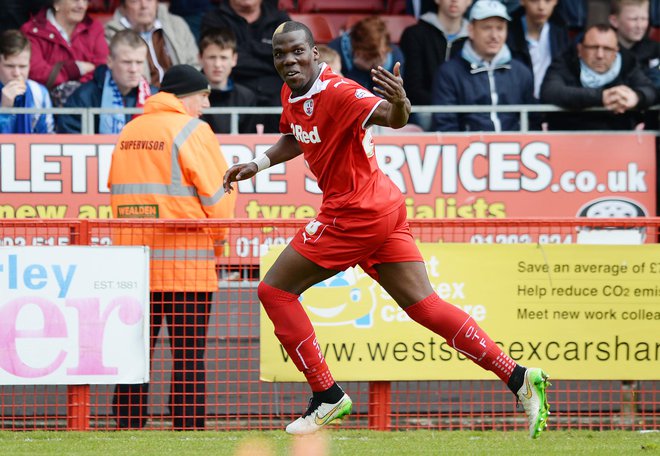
x: 347, y: 298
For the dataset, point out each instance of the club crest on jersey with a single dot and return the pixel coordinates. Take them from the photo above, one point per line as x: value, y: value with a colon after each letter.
x: 361, y: 93
x: 308, y: 107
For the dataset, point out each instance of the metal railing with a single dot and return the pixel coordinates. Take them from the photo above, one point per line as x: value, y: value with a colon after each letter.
x: 88, y: 114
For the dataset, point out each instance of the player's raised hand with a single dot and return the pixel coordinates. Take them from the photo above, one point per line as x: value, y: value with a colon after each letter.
x: 389, y: 85
x: 237, y: 173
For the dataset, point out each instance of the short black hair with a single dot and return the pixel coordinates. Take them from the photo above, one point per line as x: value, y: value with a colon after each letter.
x: 222, y: 37
x: 600, y: 26
x: 293, y: 26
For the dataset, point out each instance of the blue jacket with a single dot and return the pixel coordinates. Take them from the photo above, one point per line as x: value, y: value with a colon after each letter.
x: 89, y: 95
x: 458, y: 82
x: 342, y: 44
x: 517, y: 42
x: 574, y: 13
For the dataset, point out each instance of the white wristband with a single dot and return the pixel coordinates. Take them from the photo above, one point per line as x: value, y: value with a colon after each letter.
x: 262, y: 162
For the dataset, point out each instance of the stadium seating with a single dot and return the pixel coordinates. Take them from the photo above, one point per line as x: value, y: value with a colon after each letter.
x: 342, y: 6
x: 322, y: 30
x: 287, y: 5
x: 396, y: 7
x: 654, y: 33
x: 102, y: 17
x: 102, y: 6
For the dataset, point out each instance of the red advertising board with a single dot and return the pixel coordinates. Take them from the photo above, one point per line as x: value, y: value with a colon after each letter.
x: 442, y: 176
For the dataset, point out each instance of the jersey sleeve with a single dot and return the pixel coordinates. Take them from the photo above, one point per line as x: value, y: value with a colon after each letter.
x: 351, y: 102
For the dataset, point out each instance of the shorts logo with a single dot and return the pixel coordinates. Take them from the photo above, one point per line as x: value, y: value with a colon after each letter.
x: 312, y: 227
x: 313, y: 231
x: 361, y: 93
x: 308, y: 107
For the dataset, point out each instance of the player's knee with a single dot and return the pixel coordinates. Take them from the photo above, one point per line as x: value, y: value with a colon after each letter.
x: 271, y: 296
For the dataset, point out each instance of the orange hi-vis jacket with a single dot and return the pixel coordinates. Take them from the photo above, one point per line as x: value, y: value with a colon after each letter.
x: 168, y: 165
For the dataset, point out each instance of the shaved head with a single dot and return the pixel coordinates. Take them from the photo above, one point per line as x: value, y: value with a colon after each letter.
x: 293, y: 26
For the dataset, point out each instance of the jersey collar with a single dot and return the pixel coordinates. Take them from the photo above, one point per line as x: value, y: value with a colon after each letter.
x: 317, y: 87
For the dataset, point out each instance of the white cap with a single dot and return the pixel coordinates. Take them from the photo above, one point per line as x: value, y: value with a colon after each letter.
x: 483, y: 9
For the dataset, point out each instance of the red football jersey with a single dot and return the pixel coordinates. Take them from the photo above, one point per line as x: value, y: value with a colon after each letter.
x: 329, y: 124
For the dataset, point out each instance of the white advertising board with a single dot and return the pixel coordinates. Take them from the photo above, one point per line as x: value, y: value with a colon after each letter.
x: 74, y: 315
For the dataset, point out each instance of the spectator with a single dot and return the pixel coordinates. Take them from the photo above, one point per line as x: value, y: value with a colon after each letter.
x: 253, y: 23
x: 169, y: 39
x: 365, y: 47
x: 192, y: 12
x: 597, y: 75
x: 537, y: 35
x: 329, y: 56
x: 511, y: 5
x: 118, y: 84
x: 630, y: 19
x: 574, y: 13
x: 434, y: 39
x: 483, y: 74
x: 17, y: 90
x: 218, y: 57
x: 178, y: 178
x: 17, y: 12
x: 67, y: 45
x: 418, y: 8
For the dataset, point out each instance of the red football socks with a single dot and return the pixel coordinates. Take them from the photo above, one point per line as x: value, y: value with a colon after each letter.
x: 296, y: 334
x: 462, y: 333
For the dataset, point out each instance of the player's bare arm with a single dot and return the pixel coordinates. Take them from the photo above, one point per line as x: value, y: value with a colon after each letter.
x: 283, y: 150
x: 394, y: 112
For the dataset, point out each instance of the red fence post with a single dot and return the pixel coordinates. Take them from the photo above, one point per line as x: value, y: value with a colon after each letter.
x: 77, y: 408
x: 380, y: 406
x: 78, y: 396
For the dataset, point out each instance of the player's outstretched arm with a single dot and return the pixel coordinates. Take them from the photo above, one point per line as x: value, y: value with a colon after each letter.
x: 394, y: 112
x: 283, y: 150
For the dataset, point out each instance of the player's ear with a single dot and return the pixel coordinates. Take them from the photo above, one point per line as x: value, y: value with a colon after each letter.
x: 315, y: 53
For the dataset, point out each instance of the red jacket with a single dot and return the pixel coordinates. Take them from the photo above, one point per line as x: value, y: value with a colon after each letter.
x: 48, y: 47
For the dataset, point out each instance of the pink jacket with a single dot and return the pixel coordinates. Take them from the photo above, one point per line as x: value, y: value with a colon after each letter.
x: 48, y: 47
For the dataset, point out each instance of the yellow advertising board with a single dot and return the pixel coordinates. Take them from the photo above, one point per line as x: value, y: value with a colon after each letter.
x: 588, y: 312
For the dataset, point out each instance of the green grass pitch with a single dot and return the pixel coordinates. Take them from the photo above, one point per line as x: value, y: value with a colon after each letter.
x: 333, y: 443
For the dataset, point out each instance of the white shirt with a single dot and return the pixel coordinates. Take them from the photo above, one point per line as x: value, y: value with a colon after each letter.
x: 539, y: 51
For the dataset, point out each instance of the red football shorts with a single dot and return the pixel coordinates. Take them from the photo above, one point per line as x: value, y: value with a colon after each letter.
x: 339, y: 243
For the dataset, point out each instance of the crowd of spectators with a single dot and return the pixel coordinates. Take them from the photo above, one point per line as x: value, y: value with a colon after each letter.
x: 483, y: 73
x: 452, y: 55
x: 365, y: 47
x: 118, y: 83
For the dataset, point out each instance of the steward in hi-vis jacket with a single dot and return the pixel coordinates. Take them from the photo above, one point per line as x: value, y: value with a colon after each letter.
x: 167, y: 164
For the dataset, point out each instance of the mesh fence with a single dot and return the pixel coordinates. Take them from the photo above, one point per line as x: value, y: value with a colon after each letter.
x: 231, y: 392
